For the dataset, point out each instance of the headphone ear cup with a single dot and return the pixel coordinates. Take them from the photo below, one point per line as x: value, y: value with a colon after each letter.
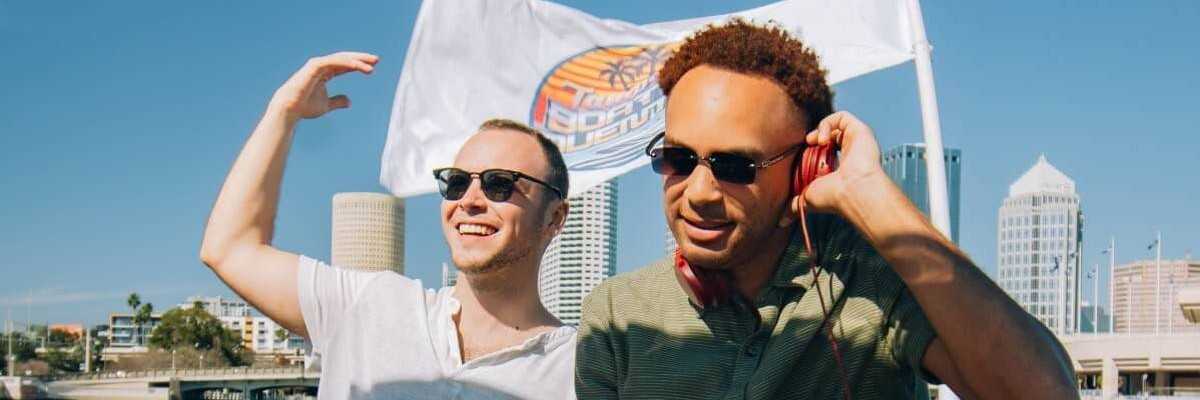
x: 813, y: 163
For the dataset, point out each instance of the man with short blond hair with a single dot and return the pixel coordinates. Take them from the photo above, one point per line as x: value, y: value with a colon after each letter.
x: 380, y: 334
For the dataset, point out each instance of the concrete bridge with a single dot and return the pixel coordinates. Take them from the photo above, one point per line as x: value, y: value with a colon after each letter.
x: 184, y: 384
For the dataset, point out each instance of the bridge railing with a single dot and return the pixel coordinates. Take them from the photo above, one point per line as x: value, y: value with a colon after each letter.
x: 180, y: 373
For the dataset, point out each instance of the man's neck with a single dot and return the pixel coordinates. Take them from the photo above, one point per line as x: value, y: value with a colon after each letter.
x: 753, y: 274
x: 505, y: 301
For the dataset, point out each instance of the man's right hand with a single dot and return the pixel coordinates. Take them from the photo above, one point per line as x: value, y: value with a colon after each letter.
x: 237, y: 240
x: 304, y: 94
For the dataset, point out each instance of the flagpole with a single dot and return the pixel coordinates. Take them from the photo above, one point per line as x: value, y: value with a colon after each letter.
x: 935, y: 164
x: 1096, y: 299
x: 1158, y: 280
x: 1112, y: 275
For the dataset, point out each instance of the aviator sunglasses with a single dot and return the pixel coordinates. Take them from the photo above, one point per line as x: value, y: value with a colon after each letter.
x: 497, y: 184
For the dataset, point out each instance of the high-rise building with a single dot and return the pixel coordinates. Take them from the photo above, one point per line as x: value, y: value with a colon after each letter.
x: 1039, y: 232
x: 449, y: 275
x: 583, y: 254
x: 905, y: 164
x: 1134, y: 288
x: 368, y: 232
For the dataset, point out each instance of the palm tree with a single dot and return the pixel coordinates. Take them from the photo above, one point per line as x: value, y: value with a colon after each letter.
x: 141, y: 315
x: 620, y: 71
x: 134, y: 301
x: 653, y: 56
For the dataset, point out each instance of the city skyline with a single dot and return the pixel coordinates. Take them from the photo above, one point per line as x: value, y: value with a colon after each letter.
x: 120, y: 157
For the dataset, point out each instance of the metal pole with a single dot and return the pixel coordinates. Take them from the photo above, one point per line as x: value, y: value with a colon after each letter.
x: 1112, y: 275
x: 1096, y: 299
x: 1158, y: 281
x: 1061, y: 285
x: 1171, y: 301
x: 87, y: 349
x: 29, y: 312
x: 935, y: 164
x: 1129, y: 304
x: 8, y: 329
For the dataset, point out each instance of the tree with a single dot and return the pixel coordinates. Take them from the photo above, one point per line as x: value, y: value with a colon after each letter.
x: 141, y: 314
x: 61, y: 338
x: 23, y: 348
x: 63, y: 360
x: 281, y: 335
x: 194, y: 328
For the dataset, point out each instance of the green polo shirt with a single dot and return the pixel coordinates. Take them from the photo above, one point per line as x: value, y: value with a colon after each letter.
x: 641, y: 337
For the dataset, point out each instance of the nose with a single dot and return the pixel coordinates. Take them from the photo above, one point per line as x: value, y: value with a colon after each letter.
x: 473, y: 201
x: 703, y: 190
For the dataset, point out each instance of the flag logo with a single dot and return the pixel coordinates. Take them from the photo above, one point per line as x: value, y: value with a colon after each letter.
x: 601, y: 105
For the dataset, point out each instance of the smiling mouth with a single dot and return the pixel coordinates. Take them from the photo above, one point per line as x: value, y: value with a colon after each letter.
x: 708, y: 224
x: 475, y: 229
x: 706, y: 231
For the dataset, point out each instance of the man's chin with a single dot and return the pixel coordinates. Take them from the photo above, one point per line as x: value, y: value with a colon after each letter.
x: 704, y: 257
x: 475, y: 263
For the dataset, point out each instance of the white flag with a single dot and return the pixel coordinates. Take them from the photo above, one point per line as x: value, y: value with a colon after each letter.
x: 588, y: 83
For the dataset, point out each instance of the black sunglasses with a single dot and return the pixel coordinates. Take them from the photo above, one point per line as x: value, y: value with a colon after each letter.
x: 732, y: 168
x: 497, y: 184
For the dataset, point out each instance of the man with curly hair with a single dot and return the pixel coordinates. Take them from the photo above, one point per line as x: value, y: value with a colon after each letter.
x: 883, y: 300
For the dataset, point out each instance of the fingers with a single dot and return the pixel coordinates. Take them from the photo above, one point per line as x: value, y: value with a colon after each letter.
x: 339, y: 101
x: 833, y: 128
x: 326, y: 67
x: 319, y: 70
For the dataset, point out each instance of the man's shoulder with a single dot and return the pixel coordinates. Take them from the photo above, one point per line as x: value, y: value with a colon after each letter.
x: 649, y: 279
x: 649, y: 291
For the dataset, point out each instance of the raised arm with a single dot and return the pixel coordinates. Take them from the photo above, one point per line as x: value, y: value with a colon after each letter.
x: 986, y: 345
x: 237, y: 239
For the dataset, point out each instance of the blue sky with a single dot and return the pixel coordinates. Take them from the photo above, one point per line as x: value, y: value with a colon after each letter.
x: 119, y: 121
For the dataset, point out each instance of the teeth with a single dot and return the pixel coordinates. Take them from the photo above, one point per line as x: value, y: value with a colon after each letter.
x: 475, y: 229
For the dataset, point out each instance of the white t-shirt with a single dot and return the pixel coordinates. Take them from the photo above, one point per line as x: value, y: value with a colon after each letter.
x: 381, y: 335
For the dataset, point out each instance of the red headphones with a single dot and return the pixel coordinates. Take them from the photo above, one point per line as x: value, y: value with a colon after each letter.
x: 710, y: 288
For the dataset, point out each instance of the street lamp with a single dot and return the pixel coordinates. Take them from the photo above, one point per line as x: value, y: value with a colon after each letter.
x: 1094, y: 275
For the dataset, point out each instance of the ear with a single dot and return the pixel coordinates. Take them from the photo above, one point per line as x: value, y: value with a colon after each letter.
x: 788, y: 216
x: 558, y: 216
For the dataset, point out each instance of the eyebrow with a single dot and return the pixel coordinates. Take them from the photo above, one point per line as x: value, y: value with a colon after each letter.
x: 736, y: 150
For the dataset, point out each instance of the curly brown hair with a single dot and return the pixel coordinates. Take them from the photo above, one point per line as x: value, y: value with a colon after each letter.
x: 768, y: 51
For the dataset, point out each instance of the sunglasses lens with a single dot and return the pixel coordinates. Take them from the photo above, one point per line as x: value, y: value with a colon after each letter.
x: 497, y: 185
x: 453, y: 183
x: 672, y: 161
x: 732, y: 169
